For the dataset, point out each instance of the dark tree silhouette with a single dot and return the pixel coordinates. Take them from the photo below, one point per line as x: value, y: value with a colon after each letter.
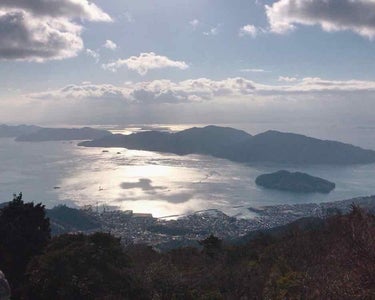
x: 211, y: 245
x: 78, y: 266
x: 24, y: 232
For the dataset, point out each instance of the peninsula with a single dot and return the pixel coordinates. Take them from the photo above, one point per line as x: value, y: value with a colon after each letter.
x: 239, y: 146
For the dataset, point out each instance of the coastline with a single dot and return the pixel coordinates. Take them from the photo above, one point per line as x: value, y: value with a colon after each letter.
x: 187, y: 230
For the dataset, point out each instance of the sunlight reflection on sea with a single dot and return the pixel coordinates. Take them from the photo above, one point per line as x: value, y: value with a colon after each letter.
x: 161, y: 184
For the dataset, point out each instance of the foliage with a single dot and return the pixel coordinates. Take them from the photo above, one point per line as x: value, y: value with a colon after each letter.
x: 335, y: 260
x: 24, y: 232
x: 82, y: 267
x: 65, y: 219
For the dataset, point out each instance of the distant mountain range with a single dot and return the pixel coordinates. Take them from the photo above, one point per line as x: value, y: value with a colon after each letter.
x: 15, y: 131
x: 26, y: 133
x: 63, y: 134
x: 239, y: 146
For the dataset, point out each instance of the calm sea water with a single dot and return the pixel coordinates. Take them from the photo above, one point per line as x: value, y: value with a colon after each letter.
x: 164, y: 184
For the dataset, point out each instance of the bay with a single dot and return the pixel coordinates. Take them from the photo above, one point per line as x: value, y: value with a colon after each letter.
x: 164, y: 184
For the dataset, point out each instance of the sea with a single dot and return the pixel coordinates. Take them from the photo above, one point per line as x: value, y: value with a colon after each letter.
x: 167, y: 185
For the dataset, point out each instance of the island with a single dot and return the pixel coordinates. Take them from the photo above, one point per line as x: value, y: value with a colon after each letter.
x: 239, y: 146
x: 31, y: 133
x: 63, y: 134
x: 8, y: 131
x: 296, y: 182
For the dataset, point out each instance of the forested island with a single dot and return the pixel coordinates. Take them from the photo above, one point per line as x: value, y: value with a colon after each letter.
x: 239, y: 146
x: 296, y: 182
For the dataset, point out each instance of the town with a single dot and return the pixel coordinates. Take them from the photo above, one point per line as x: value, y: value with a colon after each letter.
x: 188, y: 230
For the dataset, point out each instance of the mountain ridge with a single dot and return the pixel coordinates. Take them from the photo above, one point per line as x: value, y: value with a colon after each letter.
x: 32, y: 133
x: 239, y: 146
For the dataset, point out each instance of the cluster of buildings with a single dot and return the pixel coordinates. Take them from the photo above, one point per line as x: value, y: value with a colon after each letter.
x: 144, y: 228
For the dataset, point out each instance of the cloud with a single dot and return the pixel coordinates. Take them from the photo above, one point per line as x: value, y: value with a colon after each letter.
x: 332, y: 15
x: 145, y: 62
x: 62, y: 8
x: 287, y: 79
x: 253, y: 70
x: 154, y: 92
x: 212, y: 32
x: 316, y: 84
x: 194, y: 23
x: 92, y: 53
x: 39, y: 30
x: 128, y: 17
x: 249, y: 30
x: 201, y: 100
x: 23, y: 37
x: 192, y: 90
x: 199, y: 90
x: 110, y: 45
x: 82, y: 91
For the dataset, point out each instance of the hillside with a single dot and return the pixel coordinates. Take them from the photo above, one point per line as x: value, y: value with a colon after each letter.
x: 311, y: 258
x: 239, y: 146
x: 208, y: 140
x: 279, y: 147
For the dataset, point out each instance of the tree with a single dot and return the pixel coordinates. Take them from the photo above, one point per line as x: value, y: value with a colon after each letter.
x: 211, y: 245
x: 24, y: 232
x: 78, y: 266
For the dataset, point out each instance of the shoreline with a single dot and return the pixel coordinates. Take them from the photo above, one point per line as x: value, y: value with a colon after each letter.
x: 187, y: 230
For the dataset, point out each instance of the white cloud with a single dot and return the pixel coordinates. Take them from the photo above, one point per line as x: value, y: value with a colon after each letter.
x: 128, y: 17
x: 199, y: 100
x: 110, y: 45
x: 200, y: 90
x: 316, y: 84
x: 332, y: 15
x: 213, y: 31
x: 145, y: 62
x: 86, y: 90
x: 62, y: 8
x: 253, y: 70
x: 287, y: 79
x: 157, y: 91
x: 248, y: 30
x: 23, y: 37
x: 194, y: 23
x: 92, y: 53
x: 38, y: 30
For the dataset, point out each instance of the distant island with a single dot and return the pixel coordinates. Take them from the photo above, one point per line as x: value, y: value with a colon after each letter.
x: 295, y: 182
x: 29, y: 133
x: 63, y: 134
x: 239, y: 146
x: 7, y: 131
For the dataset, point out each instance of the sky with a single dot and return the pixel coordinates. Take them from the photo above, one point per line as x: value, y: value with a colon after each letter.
x: 187, y: 61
